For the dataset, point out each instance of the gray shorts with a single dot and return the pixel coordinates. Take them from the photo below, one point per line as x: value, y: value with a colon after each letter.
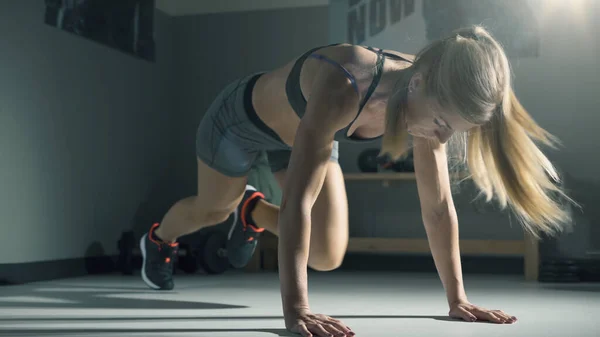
x: 231, y: 135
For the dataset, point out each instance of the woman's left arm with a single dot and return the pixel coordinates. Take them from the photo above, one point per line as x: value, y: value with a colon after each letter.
x: 439, y: 215
x: 441, y: 225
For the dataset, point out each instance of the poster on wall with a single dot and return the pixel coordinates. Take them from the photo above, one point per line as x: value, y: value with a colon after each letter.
x: 408, y: 25
x: 125, y: 25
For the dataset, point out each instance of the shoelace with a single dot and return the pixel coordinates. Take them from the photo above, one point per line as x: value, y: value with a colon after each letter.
x: 164, y: 265
x: 251, y: 233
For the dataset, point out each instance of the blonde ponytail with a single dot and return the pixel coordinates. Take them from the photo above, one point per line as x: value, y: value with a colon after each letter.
x: 469, y: 72
x: 505, y: 162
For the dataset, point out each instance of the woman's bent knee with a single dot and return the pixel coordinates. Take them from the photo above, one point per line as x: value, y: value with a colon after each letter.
x: 208, y: 213
x: 326, y: 261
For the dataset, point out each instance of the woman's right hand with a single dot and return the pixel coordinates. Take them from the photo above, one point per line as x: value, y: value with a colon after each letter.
x: 308, y: 324
x: 331, y: 107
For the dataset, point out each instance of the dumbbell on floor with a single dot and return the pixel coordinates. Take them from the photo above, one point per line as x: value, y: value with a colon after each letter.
x: 210, y: 254
x: 559, y: 271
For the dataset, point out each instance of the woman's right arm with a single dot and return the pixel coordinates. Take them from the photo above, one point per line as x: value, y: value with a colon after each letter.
x: 332, y: 105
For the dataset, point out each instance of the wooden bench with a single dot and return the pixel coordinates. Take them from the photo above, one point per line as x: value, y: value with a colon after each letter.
x: 266, y: 256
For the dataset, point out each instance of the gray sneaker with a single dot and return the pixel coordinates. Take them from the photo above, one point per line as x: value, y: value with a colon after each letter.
x: 158, y: 257
x: 243, y: 235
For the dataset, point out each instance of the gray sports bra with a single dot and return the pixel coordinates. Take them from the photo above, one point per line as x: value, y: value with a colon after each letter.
x: 298, y: 101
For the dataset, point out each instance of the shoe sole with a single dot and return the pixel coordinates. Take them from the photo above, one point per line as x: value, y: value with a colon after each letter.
x: 144, y: 276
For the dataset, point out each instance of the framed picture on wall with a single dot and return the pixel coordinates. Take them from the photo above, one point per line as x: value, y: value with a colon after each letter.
x: 125, y: 25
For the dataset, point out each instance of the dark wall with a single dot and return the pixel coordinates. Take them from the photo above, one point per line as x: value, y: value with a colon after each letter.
x: 84, y: 136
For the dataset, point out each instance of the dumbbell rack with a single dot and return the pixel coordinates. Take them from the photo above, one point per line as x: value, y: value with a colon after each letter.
x: 208, y: 253
x: 527, y: 247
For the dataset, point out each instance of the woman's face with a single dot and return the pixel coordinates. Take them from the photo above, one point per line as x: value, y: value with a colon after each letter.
x: 426, y: 118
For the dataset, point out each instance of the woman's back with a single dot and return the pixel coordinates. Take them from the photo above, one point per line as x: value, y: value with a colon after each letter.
x: 272, y: 102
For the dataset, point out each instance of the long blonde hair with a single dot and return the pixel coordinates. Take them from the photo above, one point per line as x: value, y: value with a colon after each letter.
x: 469, y: 71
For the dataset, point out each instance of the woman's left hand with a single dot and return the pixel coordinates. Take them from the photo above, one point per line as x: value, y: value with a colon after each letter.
x: 472, y: 313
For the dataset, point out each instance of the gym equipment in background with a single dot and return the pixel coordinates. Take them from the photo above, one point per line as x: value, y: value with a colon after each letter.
x: 208, y: 254
x: 559, y: 270
x: 369, y: 161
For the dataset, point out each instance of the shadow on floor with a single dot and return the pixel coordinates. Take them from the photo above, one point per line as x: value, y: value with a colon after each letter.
x: 218, y: 318
x: 579, y: 287
x: 158, y: 331
x: 73, y: 297
x: 148, y: 332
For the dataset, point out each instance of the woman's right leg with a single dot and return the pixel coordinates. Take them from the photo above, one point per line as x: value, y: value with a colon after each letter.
x: 218, y: 196
x: 227, y: 144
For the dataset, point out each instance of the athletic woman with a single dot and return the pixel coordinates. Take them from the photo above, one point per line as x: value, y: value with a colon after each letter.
x: 458, y: 87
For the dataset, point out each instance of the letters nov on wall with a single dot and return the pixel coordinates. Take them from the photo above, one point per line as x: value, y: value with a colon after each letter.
x: 516, y: 27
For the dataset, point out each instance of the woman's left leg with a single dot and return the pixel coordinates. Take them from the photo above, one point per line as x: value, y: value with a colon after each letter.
x: 329, y: 230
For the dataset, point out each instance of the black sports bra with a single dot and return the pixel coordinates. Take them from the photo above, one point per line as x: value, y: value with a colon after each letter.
x: 298, y: 101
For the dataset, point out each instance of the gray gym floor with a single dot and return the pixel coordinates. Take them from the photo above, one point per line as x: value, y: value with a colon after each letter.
x: 234, y: 305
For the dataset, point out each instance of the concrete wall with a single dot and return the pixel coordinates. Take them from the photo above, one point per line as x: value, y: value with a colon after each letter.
x: 84, y: 136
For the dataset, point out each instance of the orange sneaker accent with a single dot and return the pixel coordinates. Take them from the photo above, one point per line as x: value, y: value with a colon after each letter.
x: 152, y: 229
x: 244, y: 212
x: 256, y: 229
